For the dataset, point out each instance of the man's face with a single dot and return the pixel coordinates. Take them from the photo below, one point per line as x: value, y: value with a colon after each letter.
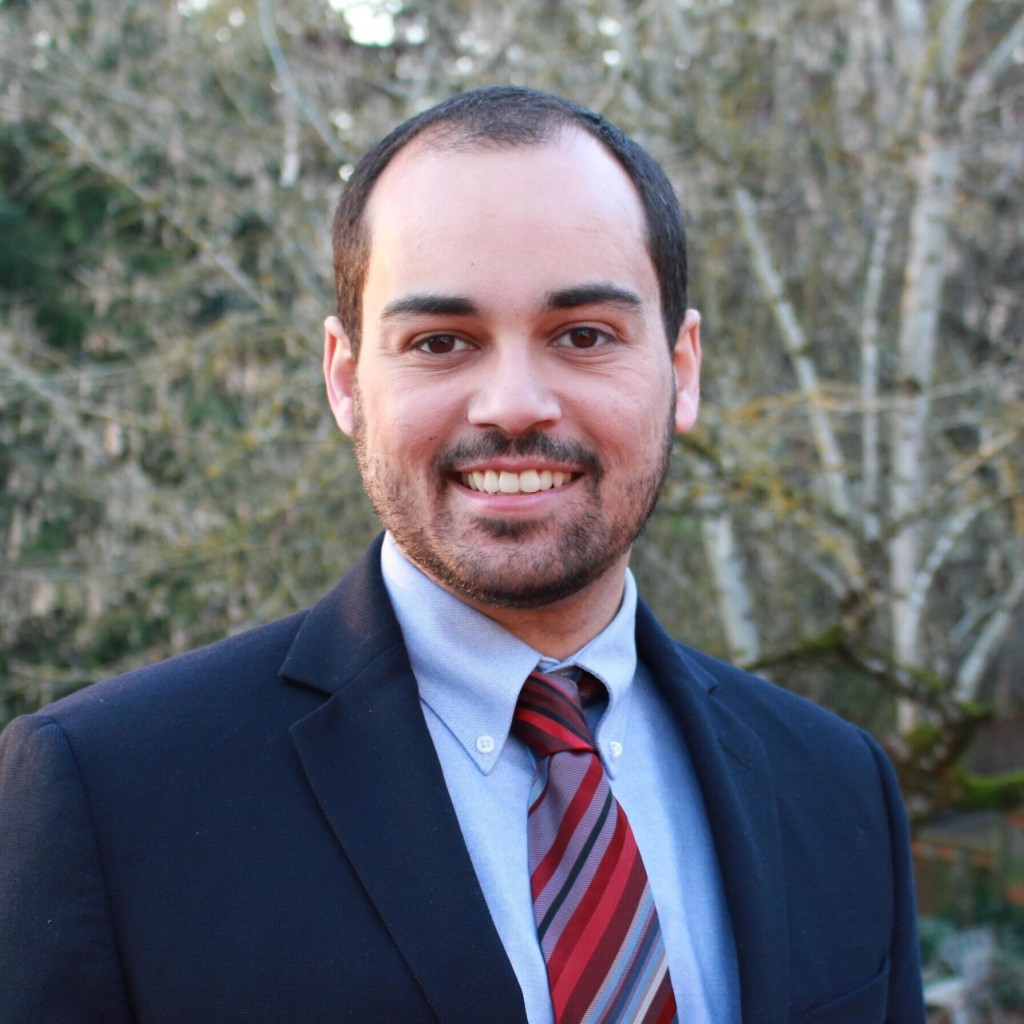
x: 514, y: 401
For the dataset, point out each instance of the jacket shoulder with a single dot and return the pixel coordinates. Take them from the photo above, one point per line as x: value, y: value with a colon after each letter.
x: 793, y: 728
x: 730, y: 683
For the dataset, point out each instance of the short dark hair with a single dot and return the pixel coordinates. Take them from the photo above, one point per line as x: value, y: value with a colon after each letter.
x: 509, y: 117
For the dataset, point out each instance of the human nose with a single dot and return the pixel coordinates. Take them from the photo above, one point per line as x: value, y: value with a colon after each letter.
x: 515, y: 394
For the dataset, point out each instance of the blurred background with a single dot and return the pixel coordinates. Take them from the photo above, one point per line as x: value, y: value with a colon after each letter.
x: 847, y: 520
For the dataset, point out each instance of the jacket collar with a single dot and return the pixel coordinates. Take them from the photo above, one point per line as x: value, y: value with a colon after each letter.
x: 732, y: 769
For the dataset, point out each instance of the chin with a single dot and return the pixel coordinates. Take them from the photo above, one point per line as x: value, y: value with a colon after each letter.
x: 522, y: 596
x: 507, y: 586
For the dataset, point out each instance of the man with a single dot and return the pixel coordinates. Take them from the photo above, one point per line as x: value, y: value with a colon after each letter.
x: 332, y: 817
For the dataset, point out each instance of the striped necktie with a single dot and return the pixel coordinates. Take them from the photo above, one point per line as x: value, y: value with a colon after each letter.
x: 595, y: 915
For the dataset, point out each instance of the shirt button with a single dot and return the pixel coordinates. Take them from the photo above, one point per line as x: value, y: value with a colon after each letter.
x: 485, y: 744
x: 616, y: 748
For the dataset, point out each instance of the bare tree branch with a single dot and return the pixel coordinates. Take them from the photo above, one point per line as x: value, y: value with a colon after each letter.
x: 288, y: 82
x: 799, y: 352
x: 869, y: 348
x: 986, y: 647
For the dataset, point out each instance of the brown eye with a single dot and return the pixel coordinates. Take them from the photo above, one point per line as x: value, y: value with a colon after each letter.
x: 583, y: 338
x: 440, y: 344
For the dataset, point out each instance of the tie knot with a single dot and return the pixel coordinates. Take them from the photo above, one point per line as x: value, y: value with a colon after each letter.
x: 549, y: 716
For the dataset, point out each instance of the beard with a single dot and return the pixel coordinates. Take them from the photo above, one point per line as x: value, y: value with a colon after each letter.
x: 537, y: 562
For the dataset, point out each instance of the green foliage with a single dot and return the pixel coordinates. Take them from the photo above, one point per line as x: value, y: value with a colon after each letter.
x: 996, y: 792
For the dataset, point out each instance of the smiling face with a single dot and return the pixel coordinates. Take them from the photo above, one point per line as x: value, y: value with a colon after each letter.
x: 514, y: 400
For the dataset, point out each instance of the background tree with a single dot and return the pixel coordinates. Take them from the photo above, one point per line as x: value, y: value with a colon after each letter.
x: 848, y: 517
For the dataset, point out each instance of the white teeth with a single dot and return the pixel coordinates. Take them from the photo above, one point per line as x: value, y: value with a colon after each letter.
x: 528, y: 482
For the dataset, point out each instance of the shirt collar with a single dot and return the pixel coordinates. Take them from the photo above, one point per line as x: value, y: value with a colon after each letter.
x: 470, y: 670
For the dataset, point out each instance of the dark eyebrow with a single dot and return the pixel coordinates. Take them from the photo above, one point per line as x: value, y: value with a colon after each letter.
x: 426, y: 304
x: 594, y: 294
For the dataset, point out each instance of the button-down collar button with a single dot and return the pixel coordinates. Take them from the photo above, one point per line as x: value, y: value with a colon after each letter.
x: 485, y: 743
x: 616, y: 748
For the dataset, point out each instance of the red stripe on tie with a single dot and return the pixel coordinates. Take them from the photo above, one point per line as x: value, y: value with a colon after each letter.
x: 575, y: 962
x: 595, y: 940
x: 553, y: 732
x: 617, y: 930
x: 581, y: 801
x: 563, y: 947
x: 663, y: 1006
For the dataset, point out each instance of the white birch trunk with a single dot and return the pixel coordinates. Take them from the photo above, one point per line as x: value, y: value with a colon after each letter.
x: 920, y: 307
x: 732, y: 593
x: 919, y: 322
x: 795, y: 342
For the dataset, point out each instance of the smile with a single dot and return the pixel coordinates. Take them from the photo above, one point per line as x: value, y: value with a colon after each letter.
x: 530, y: 481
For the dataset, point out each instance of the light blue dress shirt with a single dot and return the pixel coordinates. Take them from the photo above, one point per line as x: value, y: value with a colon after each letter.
x: 470, y: 671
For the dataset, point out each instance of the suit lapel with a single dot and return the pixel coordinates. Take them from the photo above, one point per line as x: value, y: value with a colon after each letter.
x: 731, y: 767
x: 371, y: 763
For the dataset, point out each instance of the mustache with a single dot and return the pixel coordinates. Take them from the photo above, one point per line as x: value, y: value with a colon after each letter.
x: 494, y: 443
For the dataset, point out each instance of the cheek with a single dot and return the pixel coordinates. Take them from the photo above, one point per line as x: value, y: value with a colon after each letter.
x: 424, y: 417
x: 413, y: 432
x: 631, y: 418
x: 394, y: 416
x: 413, y: 429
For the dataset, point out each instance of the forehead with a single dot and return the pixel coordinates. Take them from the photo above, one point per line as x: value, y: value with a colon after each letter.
x: 561, y: 211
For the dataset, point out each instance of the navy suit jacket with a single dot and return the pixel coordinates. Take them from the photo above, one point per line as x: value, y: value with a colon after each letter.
x: 259, y: 831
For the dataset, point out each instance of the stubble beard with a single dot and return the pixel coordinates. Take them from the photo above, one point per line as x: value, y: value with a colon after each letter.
x: 526, y: 575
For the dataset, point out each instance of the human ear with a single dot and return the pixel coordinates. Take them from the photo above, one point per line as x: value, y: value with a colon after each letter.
x: 686, y: 370
x: 339, y: 373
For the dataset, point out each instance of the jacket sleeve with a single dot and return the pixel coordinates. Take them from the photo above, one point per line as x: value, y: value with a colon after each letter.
x: 905, y: 1003
x: 58, y: 956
